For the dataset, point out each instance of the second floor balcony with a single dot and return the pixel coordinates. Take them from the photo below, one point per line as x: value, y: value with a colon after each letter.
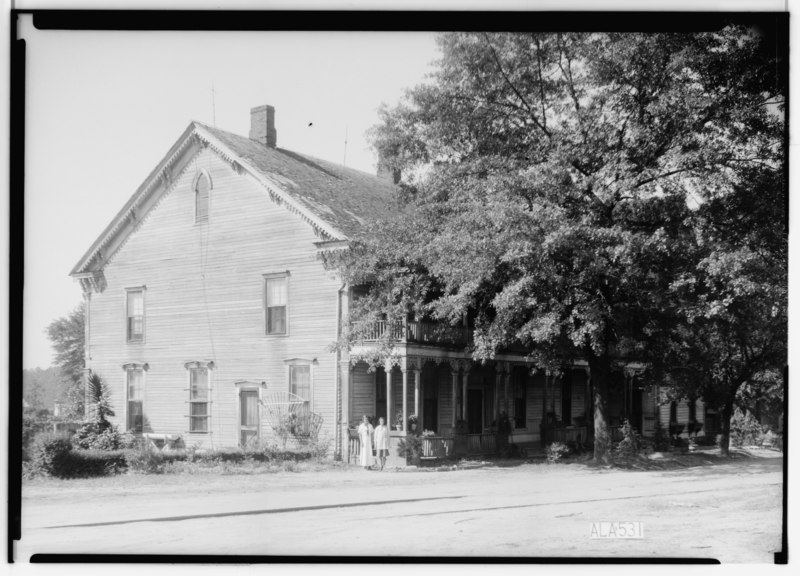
x: 435, y: 333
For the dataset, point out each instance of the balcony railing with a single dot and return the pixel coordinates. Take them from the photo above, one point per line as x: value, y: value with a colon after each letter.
x: 419, y: 332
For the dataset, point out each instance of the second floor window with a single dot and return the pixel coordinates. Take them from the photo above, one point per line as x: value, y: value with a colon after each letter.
x: 276, y: 302
x: 135, y: 315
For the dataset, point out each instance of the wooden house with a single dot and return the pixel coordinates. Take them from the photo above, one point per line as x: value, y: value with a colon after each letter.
x: 209, y: 308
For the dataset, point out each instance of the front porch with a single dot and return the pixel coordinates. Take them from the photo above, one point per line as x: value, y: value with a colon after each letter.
x: 458, y: 403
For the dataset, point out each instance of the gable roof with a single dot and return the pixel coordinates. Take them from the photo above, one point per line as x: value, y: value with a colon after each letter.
x: 335, y: 200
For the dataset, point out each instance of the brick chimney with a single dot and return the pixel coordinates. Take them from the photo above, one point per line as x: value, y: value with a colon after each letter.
x: 262, y: 125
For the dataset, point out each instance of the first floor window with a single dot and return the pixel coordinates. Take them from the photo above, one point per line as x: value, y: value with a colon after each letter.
x: 300, y: 381
x: 300, y: 385
x: 135, y: 400
x: 198, y: 399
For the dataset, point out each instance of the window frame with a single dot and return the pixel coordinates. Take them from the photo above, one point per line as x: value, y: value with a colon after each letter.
x: 301, y: 362
x: 142, y: 290
x: 208, y: 367
x: 265, y: 303
x: 130, y: 368
x: 201, y: 175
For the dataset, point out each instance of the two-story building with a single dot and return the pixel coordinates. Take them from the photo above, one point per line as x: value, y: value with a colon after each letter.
x: 210, y: 312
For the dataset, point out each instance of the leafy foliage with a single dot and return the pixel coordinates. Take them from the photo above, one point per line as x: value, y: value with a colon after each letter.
x: 556, y: 451
x: 631, y: 444
x: 411, y: 448
x: 99, y: 433
x: 746, y: 430
x: 67, y: 336
x: 568, y: 186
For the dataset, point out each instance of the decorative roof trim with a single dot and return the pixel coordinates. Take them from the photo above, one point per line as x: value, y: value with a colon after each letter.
x: 276, y: 193
x: 162, y: 175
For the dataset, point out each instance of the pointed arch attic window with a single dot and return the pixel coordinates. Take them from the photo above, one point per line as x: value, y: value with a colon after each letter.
x: 202, y: 191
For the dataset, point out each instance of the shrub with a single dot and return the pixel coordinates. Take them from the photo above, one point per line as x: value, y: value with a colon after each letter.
x: 147, y: 460
x: 411, y: 448
x: 556, y: 451
x: 319, y: 447
x: 630, y: 445
x: 90, y: 463
x: 49, y: 454
x: 661, y: 441
x: 745, y: 430
x: 34, y: 422
x: 53, y: 455
x: 99, y: 435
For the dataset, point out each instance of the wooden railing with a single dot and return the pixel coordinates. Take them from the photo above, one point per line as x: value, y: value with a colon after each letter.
x: 437, y: 446
x: 565, y: 435
x: 420, y: 332
x: 353, y: 446
x: 484, y: 443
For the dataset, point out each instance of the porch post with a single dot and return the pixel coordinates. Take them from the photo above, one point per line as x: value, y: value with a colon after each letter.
x: 588, y: 402
x: 417, y: 375
x: 454, y: 374
x: 465, y: 377
x: 404, y: 371
x: 389, y: 416
x: 498, y: 378
x: 506, y: 386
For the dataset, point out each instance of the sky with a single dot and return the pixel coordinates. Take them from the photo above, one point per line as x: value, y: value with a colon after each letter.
x: 103, y: 108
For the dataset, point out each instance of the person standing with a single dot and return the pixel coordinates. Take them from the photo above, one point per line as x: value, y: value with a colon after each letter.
x: 365, y: 432
x: 382, y: 442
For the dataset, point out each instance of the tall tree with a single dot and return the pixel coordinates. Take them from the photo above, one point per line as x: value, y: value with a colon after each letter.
x: 731, y: 333
x: 551, y: 181
x: 68, y: 339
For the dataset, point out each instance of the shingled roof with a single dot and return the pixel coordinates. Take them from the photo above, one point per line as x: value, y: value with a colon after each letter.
x: 334, y: 199
x: 343, y: 197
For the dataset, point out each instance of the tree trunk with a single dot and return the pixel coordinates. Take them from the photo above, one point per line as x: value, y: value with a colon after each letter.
x: 725, y: 436
x: 600, y: 372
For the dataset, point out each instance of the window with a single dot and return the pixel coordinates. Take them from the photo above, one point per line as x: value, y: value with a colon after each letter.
x: 199, y: 412
x: 135, y: 399
x: 202, y: 187
x: 275, y: 302
x: 300, y: 381
x: 520, y: 420
x: 135, y: 315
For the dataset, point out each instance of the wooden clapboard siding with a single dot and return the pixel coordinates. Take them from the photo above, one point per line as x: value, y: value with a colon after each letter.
x: 204, y: 301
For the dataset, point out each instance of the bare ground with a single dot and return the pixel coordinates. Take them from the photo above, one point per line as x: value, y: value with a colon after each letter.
x: 697, y: 506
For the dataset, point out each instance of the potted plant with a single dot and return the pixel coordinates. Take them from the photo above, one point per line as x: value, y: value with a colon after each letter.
x: 413, y: 422
x: 398, y: 421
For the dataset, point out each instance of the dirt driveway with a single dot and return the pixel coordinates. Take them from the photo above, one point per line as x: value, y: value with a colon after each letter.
x: 730, y: 511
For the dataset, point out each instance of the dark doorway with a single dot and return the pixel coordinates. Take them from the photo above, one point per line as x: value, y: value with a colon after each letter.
x: 430, y: 405
x: 566, y: 399
x: 474, y: 411
x: 636, y: 408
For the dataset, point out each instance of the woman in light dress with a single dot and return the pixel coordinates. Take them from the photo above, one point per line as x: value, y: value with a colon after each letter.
x: 382, y: 441
x: 365, y: 432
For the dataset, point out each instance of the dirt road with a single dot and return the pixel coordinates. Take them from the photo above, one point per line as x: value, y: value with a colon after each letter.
x: 731, y: 512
